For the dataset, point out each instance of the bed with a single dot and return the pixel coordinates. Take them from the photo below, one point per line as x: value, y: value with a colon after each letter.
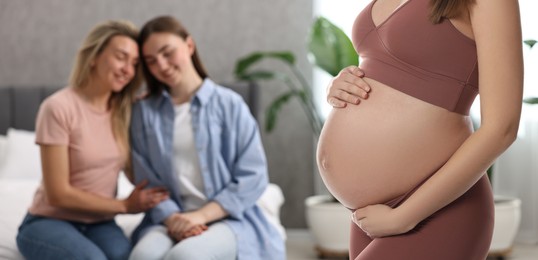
x: 20, y: 171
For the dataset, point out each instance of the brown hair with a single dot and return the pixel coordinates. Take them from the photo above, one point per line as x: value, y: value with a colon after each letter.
x: 165, y: 24
x: 447, y: 9
x: 120, y: 103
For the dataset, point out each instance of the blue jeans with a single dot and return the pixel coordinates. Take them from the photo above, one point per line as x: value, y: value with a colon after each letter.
x: 49, y: 238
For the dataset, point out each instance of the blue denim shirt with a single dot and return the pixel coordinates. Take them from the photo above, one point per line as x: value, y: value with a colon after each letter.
x: 232, y: 161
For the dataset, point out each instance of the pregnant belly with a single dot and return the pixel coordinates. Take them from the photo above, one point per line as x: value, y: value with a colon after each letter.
x: 385, y: 146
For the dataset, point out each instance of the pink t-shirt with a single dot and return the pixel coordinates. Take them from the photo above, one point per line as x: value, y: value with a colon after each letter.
x: 95, y: 160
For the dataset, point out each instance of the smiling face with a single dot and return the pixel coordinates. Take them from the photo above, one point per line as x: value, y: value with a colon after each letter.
x: 169, y: 57
x: 117, y: 64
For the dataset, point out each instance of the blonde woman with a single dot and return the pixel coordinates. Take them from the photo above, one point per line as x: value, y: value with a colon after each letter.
x: 82, y: 131
x: 406, y: 160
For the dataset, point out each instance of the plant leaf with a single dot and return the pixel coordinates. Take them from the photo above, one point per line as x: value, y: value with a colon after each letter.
x: 530, y: 42
x: 531, y: 100
x: 330, y: 48
x: 245, y: 63
x: 275, y: 107
x: 257, y: 75
x: 262, y: 75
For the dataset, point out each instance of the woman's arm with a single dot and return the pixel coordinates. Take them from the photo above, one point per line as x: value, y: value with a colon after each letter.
x: 60, y: 193
x: 497, y: 31
x: 245, y: 158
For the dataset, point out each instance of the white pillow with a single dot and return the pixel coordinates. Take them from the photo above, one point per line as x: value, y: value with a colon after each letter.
x: 270, y: 203
x: 125, y: 187
x: 15, y: 197
x: 22, y: 158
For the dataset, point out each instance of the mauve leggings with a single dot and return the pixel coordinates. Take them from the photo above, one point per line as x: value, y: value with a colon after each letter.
x: 460, y: 231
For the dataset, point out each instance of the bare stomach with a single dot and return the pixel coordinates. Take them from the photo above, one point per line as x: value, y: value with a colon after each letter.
x: 387, y: 145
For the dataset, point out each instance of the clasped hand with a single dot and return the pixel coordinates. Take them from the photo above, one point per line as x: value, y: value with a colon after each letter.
x: 184, y: 225
x: 380, y: 220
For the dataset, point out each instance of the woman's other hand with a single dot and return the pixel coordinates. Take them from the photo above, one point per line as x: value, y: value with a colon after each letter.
x: 380, y: 221
x: 194, y: 231
x: 183, y: 225
x: 141, y: 199
x: 347, y: 87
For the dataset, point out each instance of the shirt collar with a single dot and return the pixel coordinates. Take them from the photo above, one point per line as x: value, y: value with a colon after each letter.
x: 201, y: 96
x: 205, y: 92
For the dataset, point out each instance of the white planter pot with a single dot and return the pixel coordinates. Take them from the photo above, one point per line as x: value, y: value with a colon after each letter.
x: 329, y: 223
x: 507, y: 219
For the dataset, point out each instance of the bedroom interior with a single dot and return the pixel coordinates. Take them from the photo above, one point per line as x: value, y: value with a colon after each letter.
x: 39, y: 39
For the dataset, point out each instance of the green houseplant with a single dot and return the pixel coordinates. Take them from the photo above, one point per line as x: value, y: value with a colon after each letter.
x: 330, y: 49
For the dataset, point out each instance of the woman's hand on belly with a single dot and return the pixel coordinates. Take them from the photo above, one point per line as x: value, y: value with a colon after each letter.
x: 347, y: 87
x: 380, y: 220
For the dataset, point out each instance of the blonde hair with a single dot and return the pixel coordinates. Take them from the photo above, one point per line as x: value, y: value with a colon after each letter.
x: 120, y: 103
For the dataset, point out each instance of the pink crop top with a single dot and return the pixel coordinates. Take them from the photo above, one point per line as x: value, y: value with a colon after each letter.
x: 435, y: 63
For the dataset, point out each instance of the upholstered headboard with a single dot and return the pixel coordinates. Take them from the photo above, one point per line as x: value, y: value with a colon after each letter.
x: 19, y: 105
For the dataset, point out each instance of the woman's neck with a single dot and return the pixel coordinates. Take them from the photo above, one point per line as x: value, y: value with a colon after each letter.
x: 184, y: 91
x: 96, y: 96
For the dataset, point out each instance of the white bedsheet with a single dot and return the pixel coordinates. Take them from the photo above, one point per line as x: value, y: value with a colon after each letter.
x: 12, y: 195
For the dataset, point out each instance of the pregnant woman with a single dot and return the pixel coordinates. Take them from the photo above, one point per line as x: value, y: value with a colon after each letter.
x: 405, y: 159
